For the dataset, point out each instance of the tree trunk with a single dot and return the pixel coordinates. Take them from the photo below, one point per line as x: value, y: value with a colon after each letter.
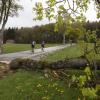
x: 64, y: 39
x: 74, y: 63
x: 1, y: 38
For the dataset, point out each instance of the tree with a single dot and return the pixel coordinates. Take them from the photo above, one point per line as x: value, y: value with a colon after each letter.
x: 56, y: 9
x: 63, y: 24
x: 7, y: 8
x: 64, y: 11
x: 37, y: 33
x: 9, y: 34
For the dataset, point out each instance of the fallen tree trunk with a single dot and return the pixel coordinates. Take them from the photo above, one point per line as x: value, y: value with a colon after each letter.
x: 75, y: 63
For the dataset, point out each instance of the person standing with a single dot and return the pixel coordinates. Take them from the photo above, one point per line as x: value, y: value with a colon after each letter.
x: 42, y: 45
x: 33, y: 45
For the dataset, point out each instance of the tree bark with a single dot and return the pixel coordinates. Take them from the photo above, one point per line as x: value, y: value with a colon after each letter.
x: 74, y: 63
x: 64, y: 39
x: 3, y: 20
x: 1, y: 38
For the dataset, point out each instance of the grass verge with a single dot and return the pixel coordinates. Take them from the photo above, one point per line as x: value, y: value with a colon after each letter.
x: 10, y: 48
x: 70, y: 52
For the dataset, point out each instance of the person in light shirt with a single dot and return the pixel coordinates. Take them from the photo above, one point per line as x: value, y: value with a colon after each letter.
x: 33, y: 45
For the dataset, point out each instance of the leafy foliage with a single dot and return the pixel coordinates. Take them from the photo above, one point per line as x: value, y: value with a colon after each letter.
x: 86, y: 83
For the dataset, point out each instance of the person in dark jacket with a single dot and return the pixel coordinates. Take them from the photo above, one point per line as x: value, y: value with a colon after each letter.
x: 42, y: 45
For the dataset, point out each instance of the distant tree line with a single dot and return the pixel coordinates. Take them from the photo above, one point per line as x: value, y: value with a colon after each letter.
x: 93, y: 26
x: 47, y: 33
x: 37, y: 33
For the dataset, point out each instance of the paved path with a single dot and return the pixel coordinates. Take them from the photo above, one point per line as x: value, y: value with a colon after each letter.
x: 29, y: 54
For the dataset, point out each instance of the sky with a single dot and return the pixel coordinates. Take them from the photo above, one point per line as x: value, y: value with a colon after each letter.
x: 25, y: 18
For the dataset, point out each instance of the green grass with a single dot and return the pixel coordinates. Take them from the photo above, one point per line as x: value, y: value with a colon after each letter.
x: 10, y: 48
x: 24, y: 85
x: 69, y: 52
x: 28, y: 85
